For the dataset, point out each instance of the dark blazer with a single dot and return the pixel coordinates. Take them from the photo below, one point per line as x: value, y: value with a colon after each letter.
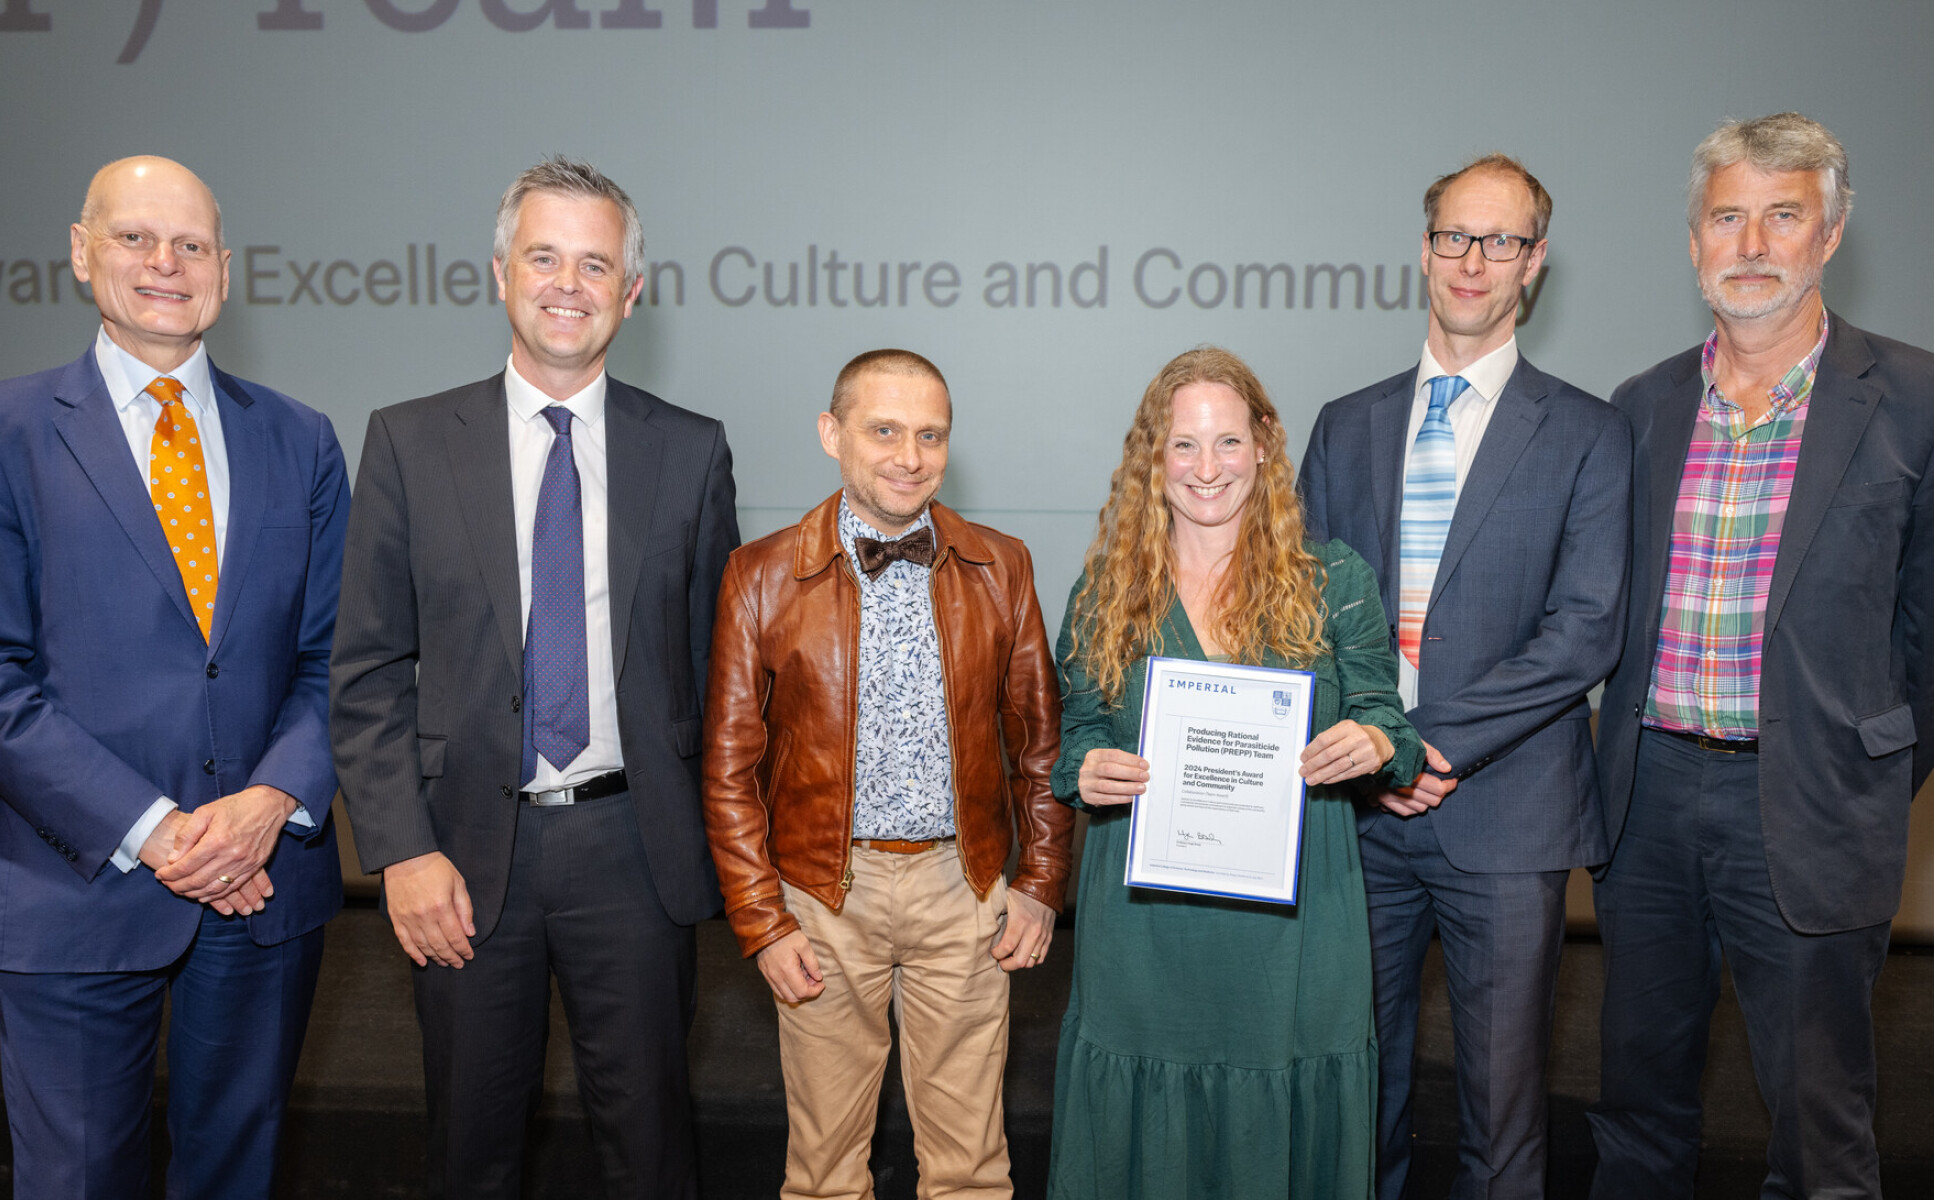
x: 110, y: 698
x: 427, y: 677
x: 1846, y: 714
x: 1525, y: 614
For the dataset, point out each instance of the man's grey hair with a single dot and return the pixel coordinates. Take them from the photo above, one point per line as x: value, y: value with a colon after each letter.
x: 1784, y: 141
x: 569, y: 177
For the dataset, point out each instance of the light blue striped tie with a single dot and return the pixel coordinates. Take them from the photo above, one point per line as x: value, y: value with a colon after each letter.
x: 1429, y: 501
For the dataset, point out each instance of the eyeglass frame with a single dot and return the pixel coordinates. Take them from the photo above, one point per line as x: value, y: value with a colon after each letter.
x: 1523, y: 243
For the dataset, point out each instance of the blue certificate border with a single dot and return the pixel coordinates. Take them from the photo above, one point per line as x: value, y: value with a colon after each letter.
x: 1135, y: 828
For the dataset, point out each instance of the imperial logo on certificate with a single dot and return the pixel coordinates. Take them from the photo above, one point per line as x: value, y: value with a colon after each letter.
x: 1223, y: 812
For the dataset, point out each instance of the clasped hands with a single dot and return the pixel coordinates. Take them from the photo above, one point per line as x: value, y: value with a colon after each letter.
x: 1346, y: 750
x: 216, y: 854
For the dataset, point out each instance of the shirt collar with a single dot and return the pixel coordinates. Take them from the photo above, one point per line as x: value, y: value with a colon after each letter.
x: 1787, y: 393
x: 127, y: 377
x: 1487, y: 376
x: 526, y: 401
x: 852, y: 525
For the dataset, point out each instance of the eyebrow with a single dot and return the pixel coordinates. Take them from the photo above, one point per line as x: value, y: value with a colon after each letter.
x: 546, y: 247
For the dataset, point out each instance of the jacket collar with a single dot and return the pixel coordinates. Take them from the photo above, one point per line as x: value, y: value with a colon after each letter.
x: 818, y: 541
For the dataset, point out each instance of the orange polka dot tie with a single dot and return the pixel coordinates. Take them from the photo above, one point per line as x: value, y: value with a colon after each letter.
x: 179, y: 487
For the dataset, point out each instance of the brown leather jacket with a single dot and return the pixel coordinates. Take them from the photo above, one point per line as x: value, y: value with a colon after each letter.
x: 781, y: 709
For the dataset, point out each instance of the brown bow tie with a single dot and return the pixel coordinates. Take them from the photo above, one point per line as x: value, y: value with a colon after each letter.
x: 875, y: 556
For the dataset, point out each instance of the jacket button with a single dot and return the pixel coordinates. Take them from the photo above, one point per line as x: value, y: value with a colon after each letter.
x: 1638, y: 710
x: 517, y: 704
x: 213, y: 670
x: 506, y: 792
x: 208, y: 766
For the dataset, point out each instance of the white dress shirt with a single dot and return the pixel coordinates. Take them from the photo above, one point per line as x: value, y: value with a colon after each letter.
x: 530, y: 446
x: 127, y: 379
x: 1470, y: 416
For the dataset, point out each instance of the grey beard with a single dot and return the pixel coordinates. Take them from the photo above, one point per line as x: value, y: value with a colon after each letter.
x: 1787, y: 295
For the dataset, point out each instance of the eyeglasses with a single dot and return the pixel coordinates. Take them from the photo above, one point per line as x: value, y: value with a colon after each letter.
x: 1498, y: 247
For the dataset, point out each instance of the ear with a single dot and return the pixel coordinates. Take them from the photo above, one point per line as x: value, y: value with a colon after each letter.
x: 77, y: 247
x: 1833, y: 240
x: 226, y: 256
x: 631, y: 296
x: 829, y: 434
x: 497, y: 270
x: 1534, y: 261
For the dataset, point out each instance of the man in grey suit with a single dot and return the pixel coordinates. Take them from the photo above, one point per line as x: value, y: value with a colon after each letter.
x: 528, y: 590
x: 1491, y: 499
x: 1771, y: 718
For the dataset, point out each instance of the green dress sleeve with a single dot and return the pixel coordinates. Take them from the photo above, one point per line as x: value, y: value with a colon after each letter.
x: 1086, y: 721
x: 1366, y: 670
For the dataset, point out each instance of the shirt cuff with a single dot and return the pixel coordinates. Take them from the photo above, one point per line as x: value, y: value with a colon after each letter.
x: 128, y: 856
x: 300, y: 822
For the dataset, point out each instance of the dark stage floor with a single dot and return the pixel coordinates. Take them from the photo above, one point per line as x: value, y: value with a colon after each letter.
x: 357, y: 1123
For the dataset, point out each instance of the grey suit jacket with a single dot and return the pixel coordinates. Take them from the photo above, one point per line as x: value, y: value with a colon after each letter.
x: 426, y: 680
x: 1846, y: 715
x: 1524, y: 618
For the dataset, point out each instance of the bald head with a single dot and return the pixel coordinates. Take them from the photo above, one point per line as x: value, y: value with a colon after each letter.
x: 149, y: 242
x: 153, y: 171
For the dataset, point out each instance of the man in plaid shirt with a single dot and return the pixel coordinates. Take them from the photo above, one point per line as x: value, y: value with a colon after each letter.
x: 1769, y: 723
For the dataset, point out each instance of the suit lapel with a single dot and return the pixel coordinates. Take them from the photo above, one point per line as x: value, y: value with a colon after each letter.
x: 633, y: 453
x: 1518, y: 414
x: 87, y: 422
x: 478, y: 443
x: 1389, y: 423
x: 1662, y: 452
x: 1837, y: 414
x: 247, y: 494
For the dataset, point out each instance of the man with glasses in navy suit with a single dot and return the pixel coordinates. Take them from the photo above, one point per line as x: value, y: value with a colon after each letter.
x: 1491, y: 500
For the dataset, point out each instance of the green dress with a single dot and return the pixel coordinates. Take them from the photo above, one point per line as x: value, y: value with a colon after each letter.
x: 1221, y: 1048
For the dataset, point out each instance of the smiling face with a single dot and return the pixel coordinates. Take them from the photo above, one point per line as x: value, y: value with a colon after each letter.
x: 891, y: 443
x: 564, y: 289
x: 1761, y: 240
x: 1474, y: 301
x: 1209, y: 458
x: 150, y: 244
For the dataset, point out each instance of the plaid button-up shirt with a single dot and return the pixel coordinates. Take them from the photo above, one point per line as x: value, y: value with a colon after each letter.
x: 1725, y: 537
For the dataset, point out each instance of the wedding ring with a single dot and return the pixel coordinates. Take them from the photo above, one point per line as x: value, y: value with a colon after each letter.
x: 224, y: 879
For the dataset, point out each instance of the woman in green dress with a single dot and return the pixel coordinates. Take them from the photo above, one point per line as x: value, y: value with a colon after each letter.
x: 1212, y: 1047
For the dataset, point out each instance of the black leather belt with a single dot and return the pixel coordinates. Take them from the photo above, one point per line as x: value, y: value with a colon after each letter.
x: 608, y: 784
x: 1722, y: 745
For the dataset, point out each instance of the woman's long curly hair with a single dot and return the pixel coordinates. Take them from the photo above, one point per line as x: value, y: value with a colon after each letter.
x: 1271, y: 597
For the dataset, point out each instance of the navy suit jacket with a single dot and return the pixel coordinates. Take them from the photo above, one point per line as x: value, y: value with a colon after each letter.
x: 1846, y: 697
x: 429, y: 662
x: 110, y: 698
x: 1524, y: 618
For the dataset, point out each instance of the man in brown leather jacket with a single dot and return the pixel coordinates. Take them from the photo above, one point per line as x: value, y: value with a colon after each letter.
x: 882, y: 716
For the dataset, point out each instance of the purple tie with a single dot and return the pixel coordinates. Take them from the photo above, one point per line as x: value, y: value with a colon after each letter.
x: 557, y: 708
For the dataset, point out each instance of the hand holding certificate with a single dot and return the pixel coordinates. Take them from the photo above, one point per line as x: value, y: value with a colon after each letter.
x: 1223, y: 809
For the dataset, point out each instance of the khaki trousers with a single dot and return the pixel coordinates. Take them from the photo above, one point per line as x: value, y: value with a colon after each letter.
x: 913, y: 935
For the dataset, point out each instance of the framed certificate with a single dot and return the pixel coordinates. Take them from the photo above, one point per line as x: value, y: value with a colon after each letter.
x: 1223, y: 812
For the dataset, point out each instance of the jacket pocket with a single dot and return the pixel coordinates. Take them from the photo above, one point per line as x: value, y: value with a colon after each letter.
x: 430, y: 751
x: 1885, y: 732
x: 685, y: 736
x: 1880, y: 491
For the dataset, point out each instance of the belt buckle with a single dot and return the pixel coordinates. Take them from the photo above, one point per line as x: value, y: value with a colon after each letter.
x: 556, y: 799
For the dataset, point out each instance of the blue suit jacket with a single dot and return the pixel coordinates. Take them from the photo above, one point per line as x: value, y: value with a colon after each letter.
x: 1846, y: 685
x: 110, y: 698
x: 1525, y: 615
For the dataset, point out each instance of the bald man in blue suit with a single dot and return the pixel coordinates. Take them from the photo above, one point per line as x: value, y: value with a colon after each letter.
x: 164, y: 752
